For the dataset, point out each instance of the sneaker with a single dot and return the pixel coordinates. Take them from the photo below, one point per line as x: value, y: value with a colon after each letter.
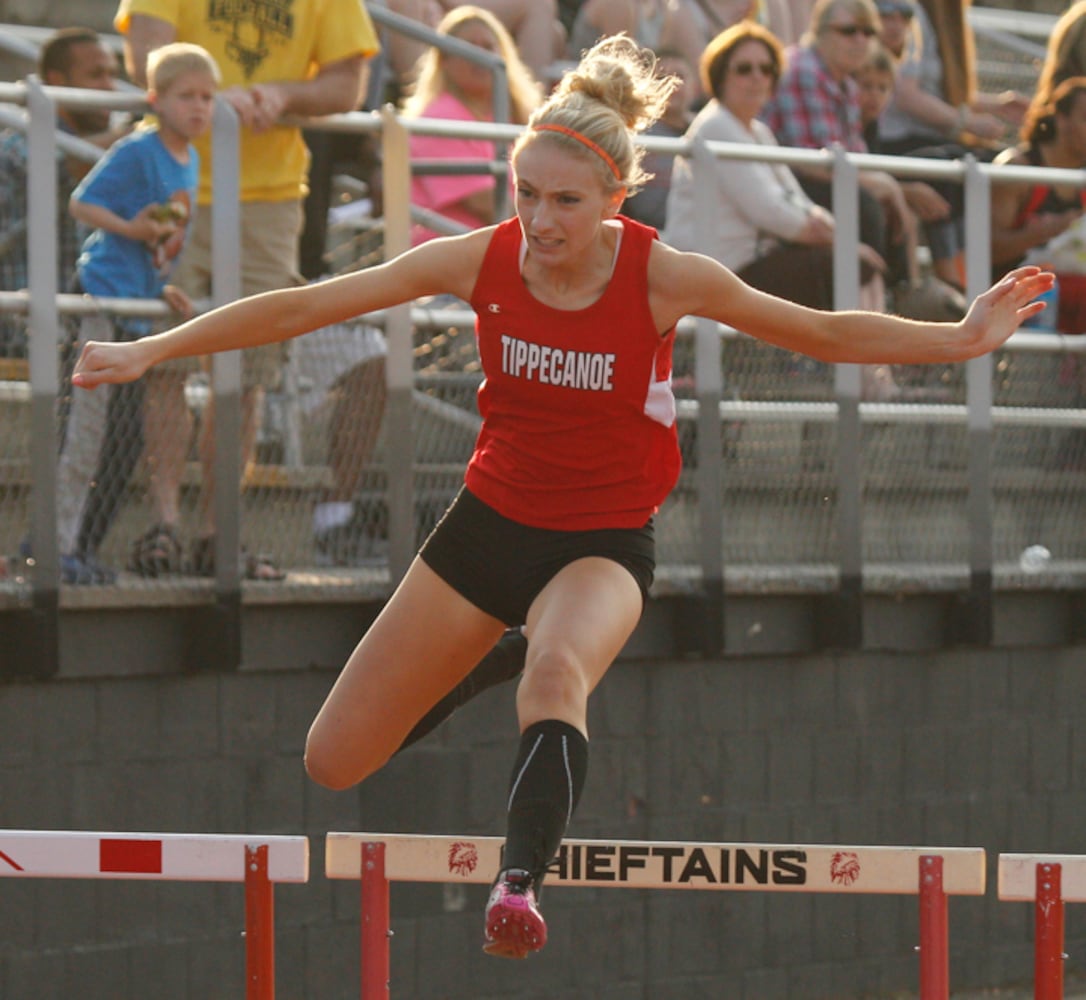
x: 514, y: 925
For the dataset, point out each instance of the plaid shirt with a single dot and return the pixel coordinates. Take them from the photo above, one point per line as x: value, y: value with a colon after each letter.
x: 13, y: 230
x: 811, y: 109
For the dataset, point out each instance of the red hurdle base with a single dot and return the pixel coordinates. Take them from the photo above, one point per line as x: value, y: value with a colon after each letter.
x: 934, y: 931
x: 259, y: 926
x: 1048, y: 933
x: 376, y: 931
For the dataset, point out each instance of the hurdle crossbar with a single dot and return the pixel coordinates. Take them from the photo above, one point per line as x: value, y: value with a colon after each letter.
x: 1048, y: 881
x: 932, y: 873
x: 258, y: 862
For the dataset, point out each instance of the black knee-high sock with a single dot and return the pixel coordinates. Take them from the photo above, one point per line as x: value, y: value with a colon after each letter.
x: 546, y: 785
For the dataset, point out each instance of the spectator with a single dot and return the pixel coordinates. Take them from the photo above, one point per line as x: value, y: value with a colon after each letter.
x: 73, y: 57
x: 138, y: 200
x: 816, y: 106
x: 787, y: 19
x: 714, y: 16
x: 452, y: 87
x: 919, y: 296
x: 659, y: 25
x: 316, y: 67
x: 957, y: 51
x: 649, y: 205
x: 1066, y: 52
x: 535, y: 26
x: 936, y: 112
x: 1026, y: 217
x: 763, y: 227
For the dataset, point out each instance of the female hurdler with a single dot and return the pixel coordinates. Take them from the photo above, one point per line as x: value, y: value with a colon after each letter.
x: 553, y: 528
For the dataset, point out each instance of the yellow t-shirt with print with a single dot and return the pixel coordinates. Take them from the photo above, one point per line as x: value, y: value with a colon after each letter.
x: 262, y: 41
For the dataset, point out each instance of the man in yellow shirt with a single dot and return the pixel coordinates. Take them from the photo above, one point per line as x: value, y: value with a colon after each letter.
x: 278, y: 57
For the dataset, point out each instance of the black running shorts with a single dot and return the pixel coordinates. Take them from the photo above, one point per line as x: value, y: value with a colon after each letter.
x: 501, y: 566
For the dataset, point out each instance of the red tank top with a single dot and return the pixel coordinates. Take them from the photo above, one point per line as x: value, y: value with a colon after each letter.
x: 578, y: 416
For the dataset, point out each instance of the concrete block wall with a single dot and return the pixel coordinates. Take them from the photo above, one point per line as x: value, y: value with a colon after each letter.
x: 940, y: 748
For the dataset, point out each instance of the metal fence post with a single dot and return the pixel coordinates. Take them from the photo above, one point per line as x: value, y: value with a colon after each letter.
x: 975, y: 624
x: 215, y: 641
x: 400, y: 453
x: 709, y: 380
x: 844, y: 626
x: 41, y: 655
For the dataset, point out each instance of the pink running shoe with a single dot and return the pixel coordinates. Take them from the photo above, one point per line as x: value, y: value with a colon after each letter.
x: 514, y: 925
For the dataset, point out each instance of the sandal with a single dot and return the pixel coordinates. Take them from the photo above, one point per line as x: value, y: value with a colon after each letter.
x: 158, y: 552
x: 260, y: 567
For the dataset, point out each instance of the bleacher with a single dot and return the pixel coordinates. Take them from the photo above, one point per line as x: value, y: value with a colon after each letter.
x: 778, y: 458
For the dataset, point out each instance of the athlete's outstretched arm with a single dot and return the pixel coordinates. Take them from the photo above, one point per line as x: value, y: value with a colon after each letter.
x: 691, y: 284
x: 448, y: 265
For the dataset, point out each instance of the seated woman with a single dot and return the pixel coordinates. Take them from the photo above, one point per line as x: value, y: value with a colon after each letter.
x: 1027, y: 217
x: 452, y: 87
x: 764, y: 227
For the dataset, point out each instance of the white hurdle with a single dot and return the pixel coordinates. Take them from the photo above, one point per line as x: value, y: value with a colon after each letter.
x: 258, y: 862
x: 931, y: 873
x: 1048, y: 881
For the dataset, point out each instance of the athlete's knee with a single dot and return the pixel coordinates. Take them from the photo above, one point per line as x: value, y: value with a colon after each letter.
x: 336, y: 767
x: 554, y: 674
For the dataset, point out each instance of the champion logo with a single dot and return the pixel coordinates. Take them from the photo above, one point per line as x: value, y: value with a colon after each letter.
x: 494, y: 308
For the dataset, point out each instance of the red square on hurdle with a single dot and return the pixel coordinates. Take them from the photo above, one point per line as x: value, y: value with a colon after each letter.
x: 143, y: 857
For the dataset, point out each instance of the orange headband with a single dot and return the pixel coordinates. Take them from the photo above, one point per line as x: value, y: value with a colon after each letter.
x: 584, y: 141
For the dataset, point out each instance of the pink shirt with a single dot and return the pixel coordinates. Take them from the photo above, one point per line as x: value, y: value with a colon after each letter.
x: 440, y: 193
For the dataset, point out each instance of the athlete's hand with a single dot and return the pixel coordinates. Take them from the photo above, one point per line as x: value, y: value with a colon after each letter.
x: 998, y: 312
x: 100, y: 363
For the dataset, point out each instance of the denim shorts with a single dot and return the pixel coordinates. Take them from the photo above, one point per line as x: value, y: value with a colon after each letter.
x: 501, y: 566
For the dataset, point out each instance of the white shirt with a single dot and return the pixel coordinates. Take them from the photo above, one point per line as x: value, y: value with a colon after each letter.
x: 756, y: 205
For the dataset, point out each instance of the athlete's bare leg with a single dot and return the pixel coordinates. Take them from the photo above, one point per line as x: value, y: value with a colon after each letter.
x: 576, y: 627
x: 396, y: 673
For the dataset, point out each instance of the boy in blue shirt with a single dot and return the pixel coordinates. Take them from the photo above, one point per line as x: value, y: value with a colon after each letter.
x: 138, y: 199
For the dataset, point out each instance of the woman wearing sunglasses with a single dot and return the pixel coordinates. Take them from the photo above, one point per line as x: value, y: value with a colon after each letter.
x: 816, y: 105
x: 764, y: 227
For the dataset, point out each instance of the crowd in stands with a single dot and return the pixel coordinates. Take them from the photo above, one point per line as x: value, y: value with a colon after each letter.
x: 890, y: 76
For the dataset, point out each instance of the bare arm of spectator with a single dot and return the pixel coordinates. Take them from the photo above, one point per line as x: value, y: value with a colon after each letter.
x: 925, y: 201
x: 917, y: 102
x: 337, y: 87
x: 144, y: 34
x: 142, y: 227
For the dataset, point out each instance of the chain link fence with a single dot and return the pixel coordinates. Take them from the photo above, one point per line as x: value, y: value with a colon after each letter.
x: 315, y: 500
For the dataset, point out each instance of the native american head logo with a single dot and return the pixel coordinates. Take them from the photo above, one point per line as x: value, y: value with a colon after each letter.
x: 844, y: 868
x: 463, y: 858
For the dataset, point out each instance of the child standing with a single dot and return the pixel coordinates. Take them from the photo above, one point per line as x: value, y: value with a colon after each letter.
x: 138, y: 199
